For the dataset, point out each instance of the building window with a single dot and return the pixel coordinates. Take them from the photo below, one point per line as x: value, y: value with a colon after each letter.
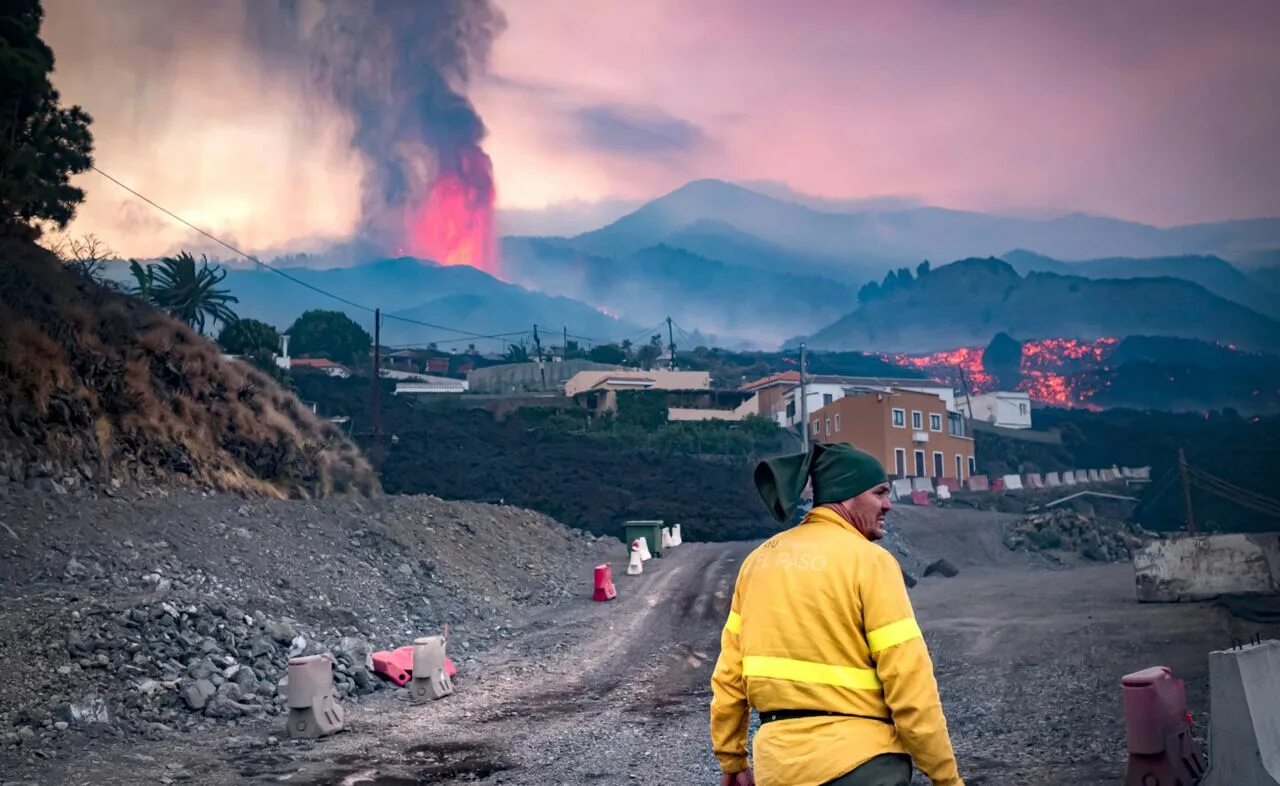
x: 899, y: 418
x: 935, y: 421
x: 900, y: 461
x: 973, y: 467
x: 938, y: 470
x: 828, y: 427
x: 917, y: 419
x: 817, y: 427
x: 826, y: 399
x: 959, y: 467
x: 791, y: 410
x: 837, y: 422
x: 919, y: 463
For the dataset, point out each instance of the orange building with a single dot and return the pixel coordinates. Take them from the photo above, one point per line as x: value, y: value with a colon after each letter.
x: 912, y: 433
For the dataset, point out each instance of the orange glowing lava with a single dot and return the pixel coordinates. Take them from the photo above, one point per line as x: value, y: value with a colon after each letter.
x: 1052, y: 369
x: 454, y: 225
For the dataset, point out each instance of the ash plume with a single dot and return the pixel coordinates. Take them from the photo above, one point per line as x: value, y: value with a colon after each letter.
x: 400, y: 69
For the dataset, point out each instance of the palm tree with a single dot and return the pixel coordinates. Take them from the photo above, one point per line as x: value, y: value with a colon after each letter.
x: 185, y: 291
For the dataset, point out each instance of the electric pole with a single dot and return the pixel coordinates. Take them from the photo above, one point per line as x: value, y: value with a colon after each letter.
x: 537, y: 342
x: 377, y: 373
x: 1186, y: 491
x: 671, y: 345
x: 804, y: 401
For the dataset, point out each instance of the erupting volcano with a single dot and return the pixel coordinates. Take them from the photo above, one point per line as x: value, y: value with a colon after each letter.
x: 454, y: 224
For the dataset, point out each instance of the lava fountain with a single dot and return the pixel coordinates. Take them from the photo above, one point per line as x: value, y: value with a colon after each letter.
x: 453, y: 225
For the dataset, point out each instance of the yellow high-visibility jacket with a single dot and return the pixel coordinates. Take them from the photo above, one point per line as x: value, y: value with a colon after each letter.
x: 820, y: 620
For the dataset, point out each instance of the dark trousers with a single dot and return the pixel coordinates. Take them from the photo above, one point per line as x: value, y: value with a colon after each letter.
x: 887, y: 769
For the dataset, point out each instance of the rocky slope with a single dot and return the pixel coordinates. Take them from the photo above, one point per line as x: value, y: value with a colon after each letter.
x: 97, y: 387
x: 177, y: 611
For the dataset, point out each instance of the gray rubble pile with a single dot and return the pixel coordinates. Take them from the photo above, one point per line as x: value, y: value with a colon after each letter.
x: 152, y: 616
x: 1095, y: 538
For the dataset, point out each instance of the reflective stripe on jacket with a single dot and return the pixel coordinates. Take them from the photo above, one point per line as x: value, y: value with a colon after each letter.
x: 820, y: 620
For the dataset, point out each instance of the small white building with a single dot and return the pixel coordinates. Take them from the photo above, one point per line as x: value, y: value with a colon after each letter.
x: 419, y: 384
x: 822, y: 390
x: 1004, y: 408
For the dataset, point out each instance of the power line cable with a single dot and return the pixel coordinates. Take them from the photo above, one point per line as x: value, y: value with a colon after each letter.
x: 279, y: 272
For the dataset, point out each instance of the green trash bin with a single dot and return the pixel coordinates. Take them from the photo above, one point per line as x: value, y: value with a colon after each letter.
x: 651, y: 531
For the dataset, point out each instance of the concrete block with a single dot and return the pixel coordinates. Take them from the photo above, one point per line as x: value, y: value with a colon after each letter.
x: 1032, y: 480
x: 978, y: 483
x: 922, y: 484
x: 1052, y: 480
x: 1069, y: 478
x: 1012, y: 482
x: 943, y: 492
x: 1142, y: 473
x: 1244, y: 716
x: 1203, y: 567
x: 1093, y: 475
x: 902, y: 488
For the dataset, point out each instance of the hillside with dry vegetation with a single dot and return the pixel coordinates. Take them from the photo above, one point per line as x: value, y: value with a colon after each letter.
x: 98, y: 387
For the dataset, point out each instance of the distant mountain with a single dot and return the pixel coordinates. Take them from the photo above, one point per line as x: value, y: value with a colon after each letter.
x: 1213, y: 273
x: 1268, y: 277
x: 454, y: 296
x: 968, y: 302
x: 906, y: 236
x: 730, y: 303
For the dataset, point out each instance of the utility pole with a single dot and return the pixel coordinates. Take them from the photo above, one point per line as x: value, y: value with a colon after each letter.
x: 964, y: 383
x: 377, y: 372
x: 1186, y: 491
x: 804, y: 400
x: 537, y: 342
x: 671, y: 345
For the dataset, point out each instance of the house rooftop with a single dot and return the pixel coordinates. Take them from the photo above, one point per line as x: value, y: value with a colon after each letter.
x: 314, y: 363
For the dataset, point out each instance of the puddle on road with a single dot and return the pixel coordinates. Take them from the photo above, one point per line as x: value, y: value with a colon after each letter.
x: 430, y: 763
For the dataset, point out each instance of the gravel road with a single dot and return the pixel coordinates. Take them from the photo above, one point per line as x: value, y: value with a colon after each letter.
x: 1028, y: 660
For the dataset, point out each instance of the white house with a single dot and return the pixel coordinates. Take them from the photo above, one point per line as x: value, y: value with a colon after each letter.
x: 1005, y: 408
x: 823, y: 390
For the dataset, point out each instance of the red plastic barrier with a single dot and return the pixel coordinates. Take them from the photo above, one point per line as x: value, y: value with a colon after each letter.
x: 978, y: 483
x: 397, y: 665
x: 997, y: 484
x: 604, y: 583
x: 1157, y: 726
x: 920, y: 498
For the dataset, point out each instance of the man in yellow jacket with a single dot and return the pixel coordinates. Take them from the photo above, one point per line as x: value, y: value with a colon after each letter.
x: 821, y: 640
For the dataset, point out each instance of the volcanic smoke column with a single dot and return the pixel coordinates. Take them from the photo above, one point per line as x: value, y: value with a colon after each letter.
x: 401, y: 68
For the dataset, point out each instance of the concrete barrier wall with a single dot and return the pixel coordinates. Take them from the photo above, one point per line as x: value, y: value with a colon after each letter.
x: 978, y: 483
x: 1203, y: 567
x: 1069, y: 478
x: 1244, y: 716
x: 922, y: 484
x: 1012, y: 483
x: 1033, y: 481
x: 1052, y: 480
x: 902, y: 488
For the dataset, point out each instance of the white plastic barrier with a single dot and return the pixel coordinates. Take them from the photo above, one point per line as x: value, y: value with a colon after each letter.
x: 922, y: 484
x: 1012, y: 483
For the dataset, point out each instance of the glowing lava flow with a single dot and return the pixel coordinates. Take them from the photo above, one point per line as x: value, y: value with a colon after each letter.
x: 1051, y: 368
x: 454, y: 225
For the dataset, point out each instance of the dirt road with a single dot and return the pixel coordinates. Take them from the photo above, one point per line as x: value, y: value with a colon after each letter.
x: 1028, y: 661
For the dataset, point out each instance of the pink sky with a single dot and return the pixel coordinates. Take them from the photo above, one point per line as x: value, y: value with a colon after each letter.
x: 1159, y: 111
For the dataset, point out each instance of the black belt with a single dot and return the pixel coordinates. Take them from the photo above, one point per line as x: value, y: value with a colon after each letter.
x: 777, y: 715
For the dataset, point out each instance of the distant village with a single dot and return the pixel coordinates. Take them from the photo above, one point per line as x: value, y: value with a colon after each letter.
x: 918, y: 428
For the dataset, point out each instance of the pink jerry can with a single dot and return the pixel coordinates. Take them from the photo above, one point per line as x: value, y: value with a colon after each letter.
x: 1162, y: 750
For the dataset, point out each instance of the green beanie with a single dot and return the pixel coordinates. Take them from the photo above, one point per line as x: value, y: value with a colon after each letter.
x: 839, y: 472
